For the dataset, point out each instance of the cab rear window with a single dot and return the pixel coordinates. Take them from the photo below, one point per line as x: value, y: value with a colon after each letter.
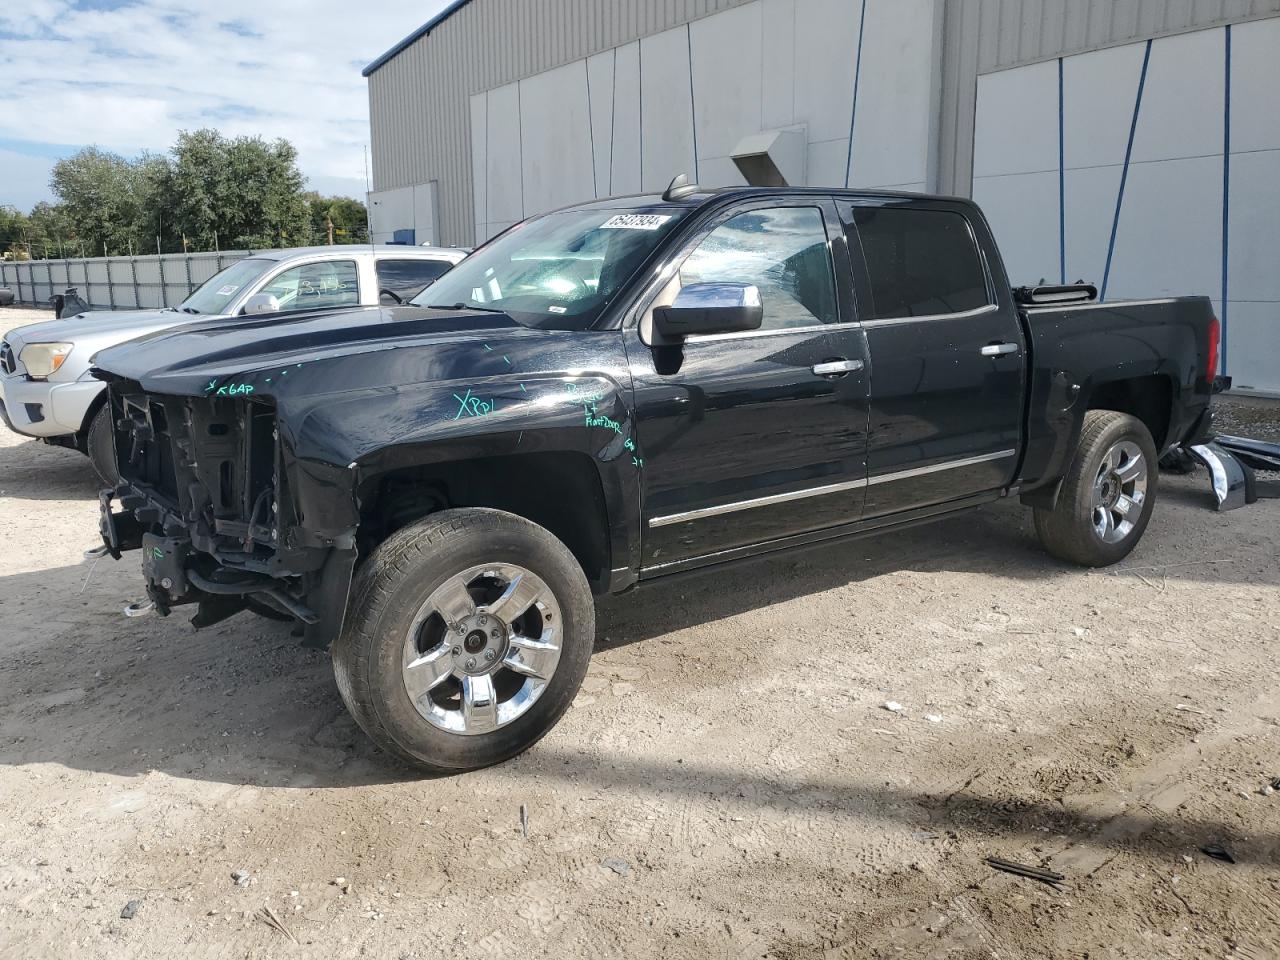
x: 405, y: 279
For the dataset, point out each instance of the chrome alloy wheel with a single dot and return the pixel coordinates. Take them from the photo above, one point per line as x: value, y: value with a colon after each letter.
x: 482, y: 648
x: 1119, y: 491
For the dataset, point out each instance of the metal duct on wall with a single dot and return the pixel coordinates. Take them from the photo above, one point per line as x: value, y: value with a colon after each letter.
x: 772, y: 158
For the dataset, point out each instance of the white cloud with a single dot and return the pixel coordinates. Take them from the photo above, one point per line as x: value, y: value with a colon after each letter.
x: 25, y: 179
x: 130, y: 76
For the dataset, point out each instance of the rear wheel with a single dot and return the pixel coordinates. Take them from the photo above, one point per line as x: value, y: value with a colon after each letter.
x: 1107, y: 495
x: 467, y: 638
x: 100, y: 447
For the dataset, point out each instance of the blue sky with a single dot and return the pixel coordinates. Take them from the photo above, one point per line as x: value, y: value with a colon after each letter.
x: 127, y: 75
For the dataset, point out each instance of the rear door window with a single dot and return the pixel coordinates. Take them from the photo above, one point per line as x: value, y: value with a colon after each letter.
x: 408, y: 278
x: 919, y: 262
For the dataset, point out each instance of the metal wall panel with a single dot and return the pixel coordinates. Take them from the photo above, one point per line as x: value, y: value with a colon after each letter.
x: 982, y: 36
x: 420, y: 100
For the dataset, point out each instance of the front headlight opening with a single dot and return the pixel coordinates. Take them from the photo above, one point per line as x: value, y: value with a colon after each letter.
x: 42, y: 360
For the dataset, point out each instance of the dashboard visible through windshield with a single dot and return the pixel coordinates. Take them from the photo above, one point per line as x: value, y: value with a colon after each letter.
x: 217, y: 293
x: 558, y: 271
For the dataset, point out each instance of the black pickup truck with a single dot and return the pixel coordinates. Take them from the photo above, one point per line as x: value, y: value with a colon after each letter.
x: 615, y: 392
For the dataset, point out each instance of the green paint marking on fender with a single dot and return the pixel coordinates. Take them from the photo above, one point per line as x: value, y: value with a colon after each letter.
x: 603, y: 421
x: 469, y: 406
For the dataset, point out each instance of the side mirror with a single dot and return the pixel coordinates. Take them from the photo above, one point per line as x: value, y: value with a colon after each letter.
x: 261, y: 303
x: 702, y: 308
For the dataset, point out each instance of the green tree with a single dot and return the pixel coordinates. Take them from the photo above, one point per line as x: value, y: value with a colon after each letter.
x: 15, y: 233
x: 241, y: 192
x: 99, y: 193
x: 52, y: 231
x: 349, y: 218
x: 210, y: 191
x: 156, y: 226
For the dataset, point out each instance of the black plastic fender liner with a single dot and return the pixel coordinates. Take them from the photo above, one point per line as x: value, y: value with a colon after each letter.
x: 1230, y: 483
x: 329, y: 599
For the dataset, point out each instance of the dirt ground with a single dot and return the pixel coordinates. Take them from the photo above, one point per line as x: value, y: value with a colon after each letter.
x: 728, y: 783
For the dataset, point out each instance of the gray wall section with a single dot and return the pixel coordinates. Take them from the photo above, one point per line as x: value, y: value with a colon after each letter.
x: 982, y: 36
x: 420, y: 100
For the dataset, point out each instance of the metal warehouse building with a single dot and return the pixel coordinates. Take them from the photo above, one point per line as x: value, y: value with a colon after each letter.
x: 1133, y: 143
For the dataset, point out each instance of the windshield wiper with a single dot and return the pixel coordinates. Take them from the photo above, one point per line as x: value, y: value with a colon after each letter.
x: 463, y: 306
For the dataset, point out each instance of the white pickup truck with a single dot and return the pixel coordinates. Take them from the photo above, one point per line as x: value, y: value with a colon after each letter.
x: 45, y: 388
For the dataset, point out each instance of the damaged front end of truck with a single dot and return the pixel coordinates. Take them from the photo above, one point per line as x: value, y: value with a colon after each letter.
x: 227, y: 518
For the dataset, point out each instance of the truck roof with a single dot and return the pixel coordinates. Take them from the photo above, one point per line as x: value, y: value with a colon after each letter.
x: 701, y: 196
x: 359, y: 249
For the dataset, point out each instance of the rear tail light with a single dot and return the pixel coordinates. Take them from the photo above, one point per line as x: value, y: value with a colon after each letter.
x: 1215, y: 340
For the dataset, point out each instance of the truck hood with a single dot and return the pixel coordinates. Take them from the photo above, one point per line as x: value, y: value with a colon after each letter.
x: 98, y: 329
x: 263, y: 351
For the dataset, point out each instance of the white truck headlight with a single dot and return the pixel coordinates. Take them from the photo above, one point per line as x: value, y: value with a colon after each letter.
x: 42, y: 360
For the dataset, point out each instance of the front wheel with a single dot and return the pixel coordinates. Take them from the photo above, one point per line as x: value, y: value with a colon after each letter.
x: 468, y: 636
x: 1107, y: 495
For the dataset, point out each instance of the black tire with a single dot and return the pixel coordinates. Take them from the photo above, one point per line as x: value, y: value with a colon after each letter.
x: 100, y: 446
x: 1067, y: 531
x: 394, y: 583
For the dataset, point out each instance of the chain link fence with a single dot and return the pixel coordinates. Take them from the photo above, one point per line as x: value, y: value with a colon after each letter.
x: 115, y: 283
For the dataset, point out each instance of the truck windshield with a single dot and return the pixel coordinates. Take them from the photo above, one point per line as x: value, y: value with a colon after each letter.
x: 215, y: 295
x: 556, y: 272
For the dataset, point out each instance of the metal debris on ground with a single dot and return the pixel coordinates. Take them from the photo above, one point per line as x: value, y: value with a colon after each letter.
x: 130, y: 910
x: 1257, y: 454
x: 1023, y: 870
x: 1218, y: 852
x: 617, y: 865
x: 524, y: 821
x: 923, y: 835
x: 241, y: 878
x: 1231, y: 462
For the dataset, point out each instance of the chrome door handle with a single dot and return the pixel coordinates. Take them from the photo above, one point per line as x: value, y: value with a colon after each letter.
x: 999, y: 349
x: 837, y: 368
